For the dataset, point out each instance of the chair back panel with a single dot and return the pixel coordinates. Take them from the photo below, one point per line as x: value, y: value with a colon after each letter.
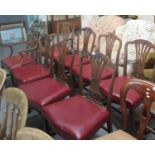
x: 85, y: 40
x: 13, y: 111
x: 142, y: 49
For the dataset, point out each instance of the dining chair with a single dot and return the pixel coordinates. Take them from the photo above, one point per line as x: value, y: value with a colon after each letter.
x: 47, y: 90
x: 22, y: 57
x: 40, y: 69
x: 109, y: 40
x: 80, y: 117
x: 29, y: 133
x: 13, y: 112
x: 146, y: 89
x: 142, y: 49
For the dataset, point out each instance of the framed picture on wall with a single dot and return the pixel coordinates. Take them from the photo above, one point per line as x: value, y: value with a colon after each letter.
x: 12, y: 33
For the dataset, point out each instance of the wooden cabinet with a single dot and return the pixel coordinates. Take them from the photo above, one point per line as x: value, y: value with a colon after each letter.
x: 57, y: 19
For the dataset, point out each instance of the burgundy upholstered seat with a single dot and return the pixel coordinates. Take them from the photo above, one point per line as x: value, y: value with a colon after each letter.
x: 133, y: 98
x: 45, y: 91
x: 86, y: 72
x: 76, y: 117
x: 12, y: 62
x: 29, y: 73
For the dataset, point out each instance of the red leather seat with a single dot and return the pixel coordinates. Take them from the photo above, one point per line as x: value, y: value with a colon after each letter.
x: 86, y: 72
x: 12, y: 62
x: 76, y: 117
x: 45, y: 91
x: 132, y: 98
x: 29, y: 73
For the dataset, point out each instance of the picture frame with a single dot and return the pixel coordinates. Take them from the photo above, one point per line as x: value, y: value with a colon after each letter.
x: 12, y: 33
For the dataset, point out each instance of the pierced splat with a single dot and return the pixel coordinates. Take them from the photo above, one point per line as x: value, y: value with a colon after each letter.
x: 110, y: 40
x: 86, y: 33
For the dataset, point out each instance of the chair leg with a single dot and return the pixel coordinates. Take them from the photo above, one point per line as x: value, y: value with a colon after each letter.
x: 132, y: 116
x: 109, y: 126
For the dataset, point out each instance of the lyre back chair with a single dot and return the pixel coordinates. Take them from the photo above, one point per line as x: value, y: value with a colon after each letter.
x: 14, y: 106
x: 47, y: 90
x: 142, y: 48
x: 110, y: 45
x: 28, y: 133
x: 80, y: 117
x: 147, y: 90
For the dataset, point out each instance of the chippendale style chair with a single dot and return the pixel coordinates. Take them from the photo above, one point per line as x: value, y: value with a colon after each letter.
x: 142, y: 49
x: 80, y: 117
x: 110, y: 40
x: 48, y: 90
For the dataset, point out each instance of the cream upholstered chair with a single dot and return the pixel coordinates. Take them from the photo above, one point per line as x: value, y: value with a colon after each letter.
x: 117, y: 135
x: 2, y: 78
x: 28, y: 133
x: 13, y: 112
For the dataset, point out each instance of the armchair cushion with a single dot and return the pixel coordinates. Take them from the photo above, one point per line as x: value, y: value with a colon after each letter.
x: 45, y: 91
x: 29, y: 73
x: 76, y: 117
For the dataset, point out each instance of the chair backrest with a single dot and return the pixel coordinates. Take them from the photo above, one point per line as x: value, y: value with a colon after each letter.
x: 65, y: 29
x: 28, y: 133
x: 64, y: 49
x: 85, y: 40
x: 142, y: 49
x: 14, y: 106
x: 99, y: 62
x: 2, y: 78
x: 145, y: 89
x: 110, y: 40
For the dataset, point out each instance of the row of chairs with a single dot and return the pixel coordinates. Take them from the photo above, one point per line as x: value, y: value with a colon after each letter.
x: 81, y: 79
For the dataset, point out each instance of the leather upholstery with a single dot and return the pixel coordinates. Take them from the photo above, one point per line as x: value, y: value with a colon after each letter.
x: 12, y: 62
x: 29, y: 73
x: 86, y: 72
x: 117, y: 135
x: 76, y: 117
x: 45, y: 91
x: 132, y: 98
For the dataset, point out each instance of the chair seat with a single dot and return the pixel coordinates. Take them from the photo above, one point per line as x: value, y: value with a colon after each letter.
x: 86, y: 72
x: 12, y: 62
x: 45, y: 91
x: 76, y: 117
x: 117, y: 135
x: 29, y: 73
x: 132, y: 98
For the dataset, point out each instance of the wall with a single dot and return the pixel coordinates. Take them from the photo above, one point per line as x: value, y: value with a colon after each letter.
x: 14, y: 18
